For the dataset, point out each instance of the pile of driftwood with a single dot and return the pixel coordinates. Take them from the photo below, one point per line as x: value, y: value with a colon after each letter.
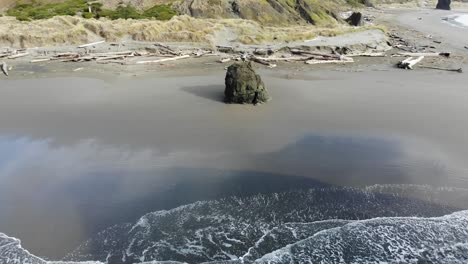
x: 165, y: 53
x: 411, y: 61
x: 14, y: 54
x: 161, y: 53
x: 80, y: 57
x: 268, y: 57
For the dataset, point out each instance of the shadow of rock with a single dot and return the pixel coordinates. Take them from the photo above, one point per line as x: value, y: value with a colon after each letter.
x: 211, y: 92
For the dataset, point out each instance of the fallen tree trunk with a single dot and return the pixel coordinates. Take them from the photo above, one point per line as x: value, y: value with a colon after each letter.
x: 163, y: 60
x: 409, y: 63
x: 424, y: 54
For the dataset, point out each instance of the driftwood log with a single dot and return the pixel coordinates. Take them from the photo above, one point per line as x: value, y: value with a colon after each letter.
x: 4, y: 67
x: 316, y: 54
x: 419, y: 54
x: 262, y: 61
x: 19, y: 55
x: 163, y: 60
x: 459, y: 70
x: 224, y: 60
x: 409, y: 63
x: 343, y: 60
x: 370, y: 54
x: 40, y: 60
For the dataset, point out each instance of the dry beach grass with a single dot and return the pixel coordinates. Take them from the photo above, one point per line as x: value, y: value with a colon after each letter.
x: 67, y: 30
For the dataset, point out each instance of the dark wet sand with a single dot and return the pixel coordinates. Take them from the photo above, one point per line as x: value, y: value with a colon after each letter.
x: 79, y: 154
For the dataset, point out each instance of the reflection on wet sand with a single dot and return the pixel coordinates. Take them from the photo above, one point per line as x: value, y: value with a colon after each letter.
x: 54, y: 196
x: 80, y: 154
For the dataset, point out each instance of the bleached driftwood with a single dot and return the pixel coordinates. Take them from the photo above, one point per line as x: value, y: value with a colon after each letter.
x: 424, y: 54
x: 40, y: 60
x: 107, y: 54
x: 163, y: 60
x: 285, y: 59
x: 459, y: 70
x: 113, y: 57
x: 315, y: 54
x: 4, y: 67
x: 263, y: 62
x: 78, y: 69
x: 342, y: 60
x: 92, y: 44
x: 409, y: 63
x: 223, y: 60
x: 19, y: 55
x: 370, y: 54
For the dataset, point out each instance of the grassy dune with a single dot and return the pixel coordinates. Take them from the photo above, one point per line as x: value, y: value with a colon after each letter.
x: 68, y: 30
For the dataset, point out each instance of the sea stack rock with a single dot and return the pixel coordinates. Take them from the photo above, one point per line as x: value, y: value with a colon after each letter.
x: 443, y: 4
x: 355, y: 19
x: 244, y: 85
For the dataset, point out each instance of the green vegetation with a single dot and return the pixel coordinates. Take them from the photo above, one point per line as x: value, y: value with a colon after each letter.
x: 35, y: 10
x: 160, y: 12
x: 42, y: 11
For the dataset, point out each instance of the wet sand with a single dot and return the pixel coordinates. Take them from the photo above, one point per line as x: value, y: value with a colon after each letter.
x: 80, y: 154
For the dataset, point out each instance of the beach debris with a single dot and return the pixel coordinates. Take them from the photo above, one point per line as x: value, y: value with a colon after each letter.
x: 355, y: 19
x: 164, y: 49
x: 369, y: 54
x: 39, y: 60
x: 4, y: 67
x: 307, y: 56
x: 163, y: 60
x: 459, y: 70
x: 342, y: 60
x: 78, y: 69
x: 316, y: 55
x: 244, y: 85
x: 14, y: 54
x: 92, y: 44
x: 425, y: 54
x: 224, y: 60
x: 409, y: 63
x: 160, y: 52
x: 262, y: 61
x: 443, y: 4
x: 225, y: 49
x: 263, y: 51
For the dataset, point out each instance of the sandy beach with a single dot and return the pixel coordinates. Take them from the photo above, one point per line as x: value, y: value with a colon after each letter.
x: 66, y: 136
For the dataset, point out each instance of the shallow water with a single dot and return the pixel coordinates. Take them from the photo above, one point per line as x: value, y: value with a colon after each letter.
x: 78, y: 154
